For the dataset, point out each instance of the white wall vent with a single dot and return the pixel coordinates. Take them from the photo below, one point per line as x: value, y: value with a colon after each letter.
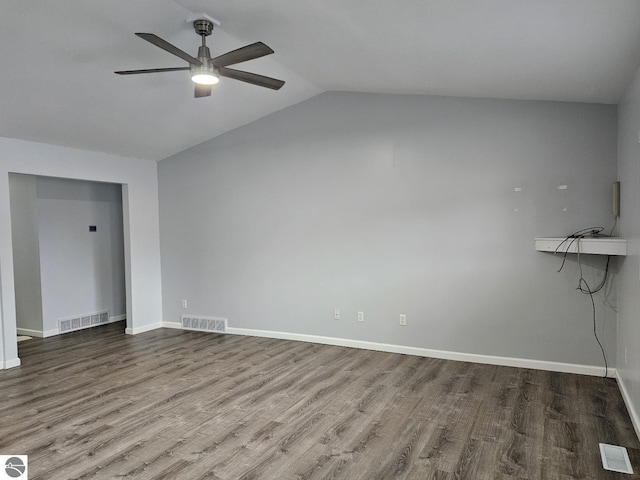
x: 83, y: 321
x: 615, y: 458
x: 204, y: 324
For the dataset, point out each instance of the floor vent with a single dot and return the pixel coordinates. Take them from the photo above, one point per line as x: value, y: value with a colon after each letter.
x: 84, y: 321
x: 204, y: 324
x: 615, y: 458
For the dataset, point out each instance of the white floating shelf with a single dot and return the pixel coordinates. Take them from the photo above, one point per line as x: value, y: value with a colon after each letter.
x: 588, y: 245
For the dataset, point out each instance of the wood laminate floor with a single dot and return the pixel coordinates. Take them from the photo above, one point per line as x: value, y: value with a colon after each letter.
x: 171, y: 404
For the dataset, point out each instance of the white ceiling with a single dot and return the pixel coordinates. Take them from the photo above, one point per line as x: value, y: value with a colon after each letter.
x: 58, y: 58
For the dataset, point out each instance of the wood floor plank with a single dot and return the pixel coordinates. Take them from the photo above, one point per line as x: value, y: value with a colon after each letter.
x: 172, y: 404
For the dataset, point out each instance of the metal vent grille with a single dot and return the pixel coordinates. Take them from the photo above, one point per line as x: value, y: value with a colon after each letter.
x: 204, y: 324
x: 615, y: 458
x: 83, y: 321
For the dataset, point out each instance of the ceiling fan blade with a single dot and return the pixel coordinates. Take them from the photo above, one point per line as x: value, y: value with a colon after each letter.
x: 252, y: 78
x: 151, y: 70
x: 242, y: 54
x: 163, y: 44
x: 202, y: 90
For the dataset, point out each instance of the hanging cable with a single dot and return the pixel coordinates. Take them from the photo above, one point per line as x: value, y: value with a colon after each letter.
x: 583, y: 286
x: 587, y: 291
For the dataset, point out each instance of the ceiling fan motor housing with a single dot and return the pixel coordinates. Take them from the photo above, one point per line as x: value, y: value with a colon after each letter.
x: 204, y: 54
x: 206, y: 68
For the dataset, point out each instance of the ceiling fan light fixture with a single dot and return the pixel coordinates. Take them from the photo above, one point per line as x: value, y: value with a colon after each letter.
x: 205, y: 78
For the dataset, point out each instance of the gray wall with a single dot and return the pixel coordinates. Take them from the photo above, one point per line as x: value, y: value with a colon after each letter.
x: 26, y: 251
x: 396, y: 204
x: 82, y: 271
x: 629, y: 313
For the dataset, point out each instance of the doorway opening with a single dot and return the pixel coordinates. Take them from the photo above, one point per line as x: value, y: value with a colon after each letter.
x: 68, y: 254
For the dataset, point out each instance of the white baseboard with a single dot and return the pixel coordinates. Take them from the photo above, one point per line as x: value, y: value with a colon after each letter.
x: 15, y: 362
x: 143, y: 328
x: 29, y: 332
x: 37, y: 333
x: 427, y: 352
x: 177, y: 325
x: 55, y: 331
x: 635, y: 419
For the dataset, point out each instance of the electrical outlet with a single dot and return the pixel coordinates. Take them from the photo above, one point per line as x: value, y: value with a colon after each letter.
x: 184, y: 304
x: 403, y: 319
x: 361, y: 316
x: 336, y: 314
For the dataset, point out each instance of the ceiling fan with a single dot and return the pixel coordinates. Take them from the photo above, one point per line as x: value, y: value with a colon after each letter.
x: 206, y: 71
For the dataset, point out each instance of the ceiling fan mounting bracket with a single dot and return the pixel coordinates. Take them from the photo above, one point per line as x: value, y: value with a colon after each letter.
x: 203, y: 27
x: 202, y: 16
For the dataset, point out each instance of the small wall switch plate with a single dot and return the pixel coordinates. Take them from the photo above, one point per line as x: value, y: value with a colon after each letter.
x: 403, y: 319
x: 184, y: 304
x: 336, y: 314
x: 361, y: 316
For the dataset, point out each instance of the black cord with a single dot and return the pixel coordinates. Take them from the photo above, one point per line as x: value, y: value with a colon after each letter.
x: 595, y: 333
x: 576, y: 237
x: 602, y: 283
x: 566, y: 252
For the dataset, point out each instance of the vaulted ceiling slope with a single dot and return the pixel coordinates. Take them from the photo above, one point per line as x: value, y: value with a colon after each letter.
x: 58, y: 60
